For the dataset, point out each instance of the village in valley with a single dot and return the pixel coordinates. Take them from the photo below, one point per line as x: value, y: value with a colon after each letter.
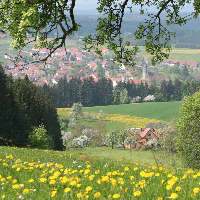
x: 77, y: 62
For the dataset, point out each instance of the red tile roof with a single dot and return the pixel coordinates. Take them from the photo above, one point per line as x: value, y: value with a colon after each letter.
x: 104, y: 50
x: 144, y: 132
x: 66, y: 67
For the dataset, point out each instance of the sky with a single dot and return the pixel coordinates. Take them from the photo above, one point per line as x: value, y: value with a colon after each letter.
x: 91, y: 5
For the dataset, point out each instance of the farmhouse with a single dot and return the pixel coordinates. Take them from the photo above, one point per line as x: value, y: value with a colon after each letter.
x: 142, y: 136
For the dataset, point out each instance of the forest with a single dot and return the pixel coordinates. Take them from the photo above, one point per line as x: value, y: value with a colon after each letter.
x: 24, y: 107
x: 90, y: 93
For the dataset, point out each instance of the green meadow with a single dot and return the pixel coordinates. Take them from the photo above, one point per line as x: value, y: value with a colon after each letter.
x: 165, y: 111
x: 78, y: 174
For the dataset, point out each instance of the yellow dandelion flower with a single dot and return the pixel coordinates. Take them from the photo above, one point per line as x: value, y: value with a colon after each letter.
x: 78, y: 185
x: 91, y: 177
x: 169, y: 187
x: 174, y: 196
x: 159, y: 198
x: 73, y: 183
x: 195, y: 176
x: 67, y: 189
x: 157, y: 174
x: 87, y: 171
x: 178, y: 188
x: 105, y: 178
x: 171, y: 182
x: 79, y: 195
x: 116, y: 196
x: 16, y: 186
x: 137, y: 193
x: 97, y: 194
x: 31, y: 180
x: 88, y: 188
x: 43, y: 180
x: 87, y: 196
x: 52, y: 182
x: 53, y: 193
x: 97, y: 172
x: 196, y: 190
x: 126, y: 169
x: 184, y: 177
x: 99, y: 181
x: 14, y: 181
x: 110, y: 196
x: 9, y: 177
x: 25, y: 190
x: 169, y: 175
x: 114, y: 173
x: 3, y: 196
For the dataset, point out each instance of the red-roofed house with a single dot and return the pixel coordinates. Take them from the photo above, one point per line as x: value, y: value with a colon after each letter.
x: 105, y: 50
x: 56, y: 78
x: 79, y: 55
x: 93, y: 66
x: 35, y: 68
x: 75, y: 49
x: 10, y: 65
x: 21, y: 64
x: 60, y: 72
x: 94, y: 75
x: 39, y: 72
x: 144, y: 136
x: 38, y: 83
x: 28, y: 72
x: 191, y: 64
x: 115, y: 81
x: 171, y: 62
x: 62, y: 53
x: 83, y: 74
x: 66, y: 68
x: 104, y: 63
x: 128, y: 76
x: 14, y: 71
x: 136, y: 81
x: 43, y: 51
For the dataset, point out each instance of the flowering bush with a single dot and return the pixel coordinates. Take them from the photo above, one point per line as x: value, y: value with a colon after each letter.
x: 149, y: 98
x: 81, y: 141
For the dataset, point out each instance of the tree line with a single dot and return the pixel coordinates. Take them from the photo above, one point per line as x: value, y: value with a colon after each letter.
x: 24, y: 107
x: 90, y: 93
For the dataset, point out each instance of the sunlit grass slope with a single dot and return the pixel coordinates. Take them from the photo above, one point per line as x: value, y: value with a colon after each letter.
x: 36, y: 174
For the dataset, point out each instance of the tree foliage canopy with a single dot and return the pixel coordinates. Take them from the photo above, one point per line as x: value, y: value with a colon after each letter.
x: 39, y: 18
x: 189, y: 131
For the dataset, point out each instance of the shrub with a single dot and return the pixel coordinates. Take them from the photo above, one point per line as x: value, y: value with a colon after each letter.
x: 39, y: 139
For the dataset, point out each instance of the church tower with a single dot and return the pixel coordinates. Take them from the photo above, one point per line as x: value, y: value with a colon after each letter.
x: 145, y: 71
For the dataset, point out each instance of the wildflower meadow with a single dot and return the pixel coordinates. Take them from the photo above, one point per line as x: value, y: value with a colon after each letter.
x: 44, y: 174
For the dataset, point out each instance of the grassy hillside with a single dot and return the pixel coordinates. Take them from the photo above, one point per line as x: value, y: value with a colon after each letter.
x: 120, y: 117
x: 165, y: 111
x: 37, y: 174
